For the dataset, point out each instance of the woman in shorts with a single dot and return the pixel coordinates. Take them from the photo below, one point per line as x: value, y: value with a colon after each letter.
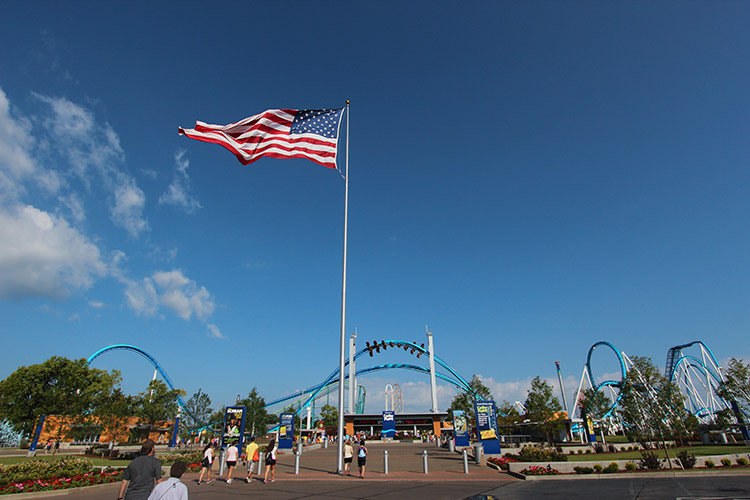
x: 206, y: 462
x: 362, y: 458
x: 348, y: 454
x: 270, y: 460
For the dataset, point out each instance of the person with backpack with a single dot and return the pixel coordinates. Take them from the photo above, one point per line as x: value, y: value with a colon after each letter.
x: 362, y: 458
x: 270, y: 460
x: 206, y: 463
x: 253, y: 457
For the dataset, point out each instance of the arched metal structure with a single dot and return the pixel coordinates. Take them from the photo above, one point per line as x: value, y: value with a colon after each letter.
x: 151, y: 359
x: 698, y: 375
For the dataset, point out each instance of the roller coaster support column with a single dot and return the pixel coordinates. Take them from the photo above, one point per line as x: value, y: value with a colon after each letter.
x: 352, y: 371
x: 433, y: 385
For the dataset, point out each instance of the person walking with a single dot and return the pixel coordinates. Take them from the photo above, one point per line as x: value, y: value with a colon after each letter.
x: 233, y: 453
x: 270, y: 460
x: 206, y: 463
x: 172, y: 488
x: 348, y: 454
x: 252, y: 457
x: 362, y: 458
x: 141, y: 475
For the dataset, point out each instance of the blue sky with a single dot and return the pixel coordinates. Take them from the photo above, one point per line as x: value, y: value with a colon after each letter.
x: 526, y: 178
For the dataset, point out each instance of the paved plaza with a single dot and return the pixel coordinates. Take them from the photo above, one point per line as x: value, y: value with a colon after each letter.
x: 446, y: 481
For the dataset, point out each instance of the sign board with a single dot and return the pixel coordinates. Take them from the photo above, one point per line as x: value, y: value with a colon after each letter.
x: 487, y: 426
x: 460, y: 428
x: 286, y: 431
x: 389, y: 424
x: 234, y: 426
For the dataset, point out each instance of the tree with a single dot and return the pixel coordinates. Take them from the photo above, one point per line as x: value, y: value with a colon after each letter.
x: 113, y: 413
x: 329, y: 415
x: 594, y: 405
x: 158, y: 403
x: 652, y: 406
x: 542, y: 408
x: 465, y: 400
x: 58, y: 386
x: 736, y: 388
x: 256, y: 418
x: 199, y: 410
x: 507, y: 416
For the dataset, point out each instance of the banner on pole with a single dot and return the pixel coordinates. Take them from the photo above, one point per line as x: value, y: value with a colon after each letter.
x: 460, y: 429
x: 286, y: 431
x: 487, y: 426
x: 389, y: 424
x: 37, y: 433
x: 175, y: 432
x: 234, y: 426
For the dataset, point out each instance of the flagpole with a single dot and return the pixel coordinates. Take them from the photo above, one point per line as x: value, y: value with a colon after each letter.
x: 342, y: 345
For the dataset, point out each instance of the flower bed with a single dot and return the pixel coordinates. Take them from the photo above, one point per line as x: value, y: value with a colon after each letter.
x: 538, y: 470
x: 61, y: 483
x: 501, y: 462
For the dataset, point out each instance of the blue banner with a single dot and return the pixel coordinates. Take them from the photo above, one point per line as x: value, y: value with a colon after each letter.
x: 234, y: 426
x: 175, y: 431
x: 487, y: 426
x: 37, y: 433
x: 286, y: 431
x: 389, y: 424
x: 460, y: 428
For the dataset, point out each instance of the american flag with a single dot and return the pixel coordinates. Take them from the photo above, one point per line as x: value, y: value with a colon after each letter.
x: 277, y: 133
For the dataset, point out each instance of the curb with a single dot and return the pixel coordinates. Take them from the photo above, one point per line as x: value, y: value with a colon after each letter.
x: 67, y: 491
x: 649, y: 475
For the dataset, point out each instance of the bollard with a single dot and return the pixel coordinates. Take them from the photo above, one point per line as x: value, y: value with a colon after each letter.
x: 296, y: 462
x: 385, y: 462
x: 299, y: 447
x: 260, y: 463
x: 325, y: 443
x: 222, y: 461
x: 437, y: 442
x: 424, y: 461
x: 466, y: 461
x: 478, y: 453
x: 451, y: 446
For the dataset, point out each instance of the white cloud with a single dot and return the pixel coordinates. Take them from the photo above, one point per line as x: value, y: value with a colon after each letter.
x: 177, y: 192
x: 96, y: 304
x: 16, y: 162
x: 42, y: 255
x: 127, y: 211
x: 173, y: 290
x: 214, y: 330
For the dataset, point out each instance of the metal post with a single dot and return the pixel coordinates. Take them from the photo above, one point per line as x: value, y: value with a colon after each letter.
x: 424, y: 461
x: 260, y: 462
x: 352, y: 372
x: 562, y: 389
x: 296, y: 462
x: 466, y: 461
x: 385, y: 462
x: 433, y: 384
x: 222, y: 461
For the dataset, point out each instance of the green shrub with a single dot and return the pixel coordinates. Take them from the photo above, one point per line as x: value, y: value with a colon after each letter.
x: 612, y: 467
x: 598, y: 468
x: 710, y: 464
x: 529, y: 454
x: 726, y: 462
x: 580, y: 451
x: 687, y: 461
x: 741, y: 461
x: 650, y: 460
x: 583, y: 470
x: 572, y: 452
x: 630, y: 466
x: 588, y: 452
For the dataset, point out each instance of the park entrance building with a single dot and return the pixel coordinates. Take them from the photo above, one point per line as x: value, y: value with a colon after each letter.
x: 413, y: 424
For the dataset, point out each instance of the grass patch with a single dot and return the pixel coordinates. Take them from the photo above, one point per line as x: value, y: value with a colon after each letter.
x: 698, y: 451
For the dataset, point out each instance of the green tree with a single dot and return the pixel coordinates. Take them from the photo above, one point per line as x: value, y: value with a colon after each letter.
x: 465, y: 400
x: 256, y: 418
x: 652, y: 406
x: 594, y: 405
x: 113, y: 413
x: 736, y: 387
x: 329, y: 415
x: 542, y: 408
x: 158, y: 403
x: 58, y: 386
x: 508, y: 417
x: 199, y: 410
